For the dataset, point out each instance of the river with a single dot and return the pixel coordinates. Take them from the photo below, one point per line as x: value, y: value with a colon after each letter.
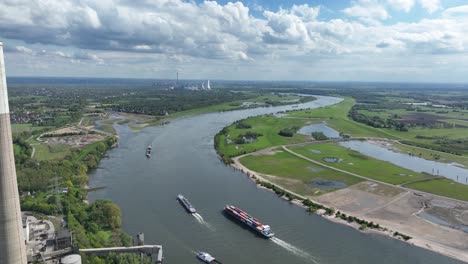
x: 184, y: 161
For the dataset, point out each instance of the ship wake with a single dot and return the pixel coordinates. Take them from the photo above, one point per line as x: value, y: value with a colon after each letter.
x: 201, y: 220
x: 296, y: 251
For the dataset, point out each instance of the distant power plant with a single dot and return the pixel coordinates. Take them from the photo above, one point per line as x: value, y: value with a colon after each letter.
x: 12, y: 243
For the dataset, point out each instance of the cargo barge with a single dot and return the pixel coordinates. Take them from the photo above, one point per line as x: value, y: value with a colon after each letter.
x: 186, y: 204
x: 253, y: 223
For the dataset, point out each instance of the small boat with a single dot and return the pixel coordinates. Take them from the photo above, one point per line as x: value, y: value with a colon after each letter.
x: 186, y: 204
x: 148, y: 151
x: 207, y: 258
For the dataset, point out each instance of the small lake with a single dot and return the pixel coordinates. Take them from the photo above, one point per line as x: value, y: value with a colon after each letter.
x: 409, y: 162
x: 332, y: 159
x: 326, y: 130
x: 437, y: 220
x: 328, y: 184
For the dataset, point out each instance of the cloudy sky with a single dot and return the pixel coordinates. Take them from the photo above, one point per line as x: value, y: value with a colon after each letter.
x: 336, y: 40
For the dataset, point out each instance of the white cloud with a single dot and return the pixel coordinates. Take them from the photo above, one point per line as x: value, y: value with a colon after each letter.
x: 367, y: 9
x: 23, y: 49
x: 431, y: 5
x: 459, y: 11
x: 402, y: 5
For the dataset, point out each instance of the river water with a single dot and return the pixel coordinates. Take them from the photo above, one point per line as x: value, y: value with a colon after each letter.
x: 184, y: 161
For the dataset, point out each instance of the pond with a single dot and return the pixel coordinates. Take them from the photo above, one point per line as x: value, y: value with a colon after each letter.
x: 439, y: 221
x: 322, y: 127
x: 328, y: 184
x: 332, y: 159
x: 314, y: 169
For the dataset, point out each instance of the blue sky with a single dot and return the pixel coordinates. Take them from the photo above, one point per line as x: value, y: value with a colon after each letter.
x: 360, y: 40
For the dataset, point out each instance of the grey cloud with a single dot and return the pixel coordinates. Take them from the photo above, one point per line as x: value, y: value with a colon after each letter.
x: 383, y: 45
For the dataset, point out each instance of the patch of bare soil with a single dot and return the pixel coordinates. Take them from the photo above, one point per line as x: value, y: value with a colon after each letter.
x: 75, y: 140
x: 403, y: 210
x: 64, y: 131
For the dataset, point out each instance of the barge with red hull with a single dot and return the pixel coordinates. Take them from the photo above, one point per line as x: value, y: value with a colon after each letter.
x: 248, y: 220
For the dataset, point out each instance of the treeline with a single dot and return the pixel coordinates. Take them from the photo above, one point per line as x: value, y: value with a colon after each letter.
x: 218, y: 141
x: 22, y: 150
x: 455, y: 149
x: 377, y: 122
x: 288, y: 132
x: 160, y: 102
x: 442, y: 144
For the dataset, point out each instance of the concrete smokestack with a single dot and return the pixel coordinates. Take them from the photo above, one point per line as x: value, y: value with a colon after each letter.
x: 12, y: 244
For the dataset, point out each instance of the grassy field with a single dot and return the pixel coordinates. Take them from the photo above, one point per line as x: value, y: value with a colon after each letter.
x: 50, y: 152
x: 107, y: 128
x: 19, y: 128
x: 295, y: 173
x: 358, y: 163
x: 443, y: 187
x: 269, y: 127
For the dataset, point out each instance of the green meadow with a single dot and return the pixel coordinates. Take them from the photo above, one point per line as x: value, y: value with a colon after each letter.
x: 295, y: 173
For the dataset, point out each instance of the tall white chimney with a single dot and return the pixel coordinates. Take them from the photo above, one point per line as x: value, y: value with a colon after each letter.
x: 12, y: 244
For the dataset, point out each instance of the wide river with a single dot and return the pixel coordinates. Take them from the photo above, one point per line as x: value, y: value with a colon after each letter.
x: 184, y: 161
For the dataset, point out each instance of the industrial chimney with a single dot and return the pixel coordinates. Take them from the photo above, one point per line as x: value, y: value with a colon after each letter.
x: 12, y: 244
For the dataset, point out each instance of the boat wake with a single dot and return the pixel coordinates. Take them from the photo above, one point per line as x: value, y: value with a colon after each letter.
x: 201, y: 220
x: 296, y: 251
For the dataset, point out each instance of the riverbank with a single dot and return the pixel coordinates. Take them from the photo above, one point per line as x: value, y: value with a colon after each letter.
x: 389, y: 228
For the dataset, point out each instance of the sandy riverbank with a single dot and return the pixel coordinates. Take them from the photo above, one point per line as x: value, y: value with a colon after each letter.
x: 393, y: 213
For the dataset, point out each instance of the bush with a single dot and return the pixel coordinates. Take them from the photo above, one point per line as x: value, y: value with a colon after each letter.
x: 319, y: 136
x: 288, y: 132
x: 241, y: 125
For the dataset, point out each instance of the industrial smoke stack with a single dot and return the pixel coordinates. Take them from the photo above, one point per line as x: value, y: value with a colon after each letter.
x: 12, y: 244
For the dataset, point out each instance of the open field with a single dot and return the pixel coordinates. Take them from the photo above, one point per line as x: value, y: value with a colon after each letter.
x: 269, y: 126
x: 51, y: 151
x: 292, y: 171
x: 20, y: 128
x: 358, y: 163
x: 443, y: 187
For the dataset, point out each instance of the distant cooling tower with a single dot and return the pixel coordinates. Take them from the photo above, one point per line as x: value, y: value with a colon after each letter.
x: 12, y: 244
